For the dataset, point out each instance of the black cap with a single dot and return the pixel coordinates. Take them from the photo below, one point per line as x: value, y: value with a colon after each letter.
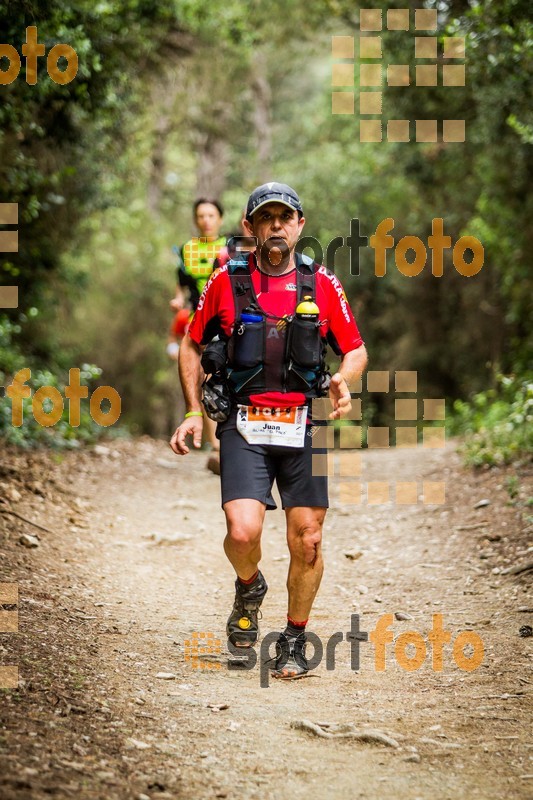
x: 273, y: 193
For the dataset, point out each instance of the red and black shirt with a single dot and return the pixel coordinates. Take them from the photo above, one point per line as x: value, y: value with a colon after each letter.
x: 276, y: 295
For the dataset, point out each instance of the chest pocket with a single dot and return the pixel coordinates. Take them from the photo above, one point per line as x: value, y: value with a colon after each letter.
x: 247, y: 345
x: 304, y: 343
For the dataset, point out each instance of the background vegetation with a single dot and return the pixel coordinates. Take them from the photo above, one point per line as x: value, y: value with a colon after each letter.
x: 181, y: 99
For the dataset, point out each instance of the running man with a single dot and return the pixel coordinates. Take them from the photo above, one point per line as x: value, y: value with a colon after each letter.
x: 277, y: 311
x: 195, y: 265
x: 196, y: 257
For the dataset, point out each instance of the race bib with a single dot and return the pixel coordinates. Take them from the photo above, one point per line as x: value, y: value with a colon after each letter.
x: 279, y: 426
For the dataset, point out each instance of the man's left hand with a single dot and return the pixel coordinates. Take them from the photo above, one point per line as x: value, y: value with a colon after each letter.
x: 339, y: 394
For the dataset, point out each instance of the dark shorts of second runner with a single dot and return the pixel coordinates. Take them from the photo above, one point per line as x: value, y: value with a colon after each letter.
x: 249, y: 471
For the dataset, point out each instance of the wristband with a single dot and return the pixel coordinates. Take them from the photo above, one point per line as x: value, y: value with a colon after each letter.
x: 173, y: 348
x: 193, y: 414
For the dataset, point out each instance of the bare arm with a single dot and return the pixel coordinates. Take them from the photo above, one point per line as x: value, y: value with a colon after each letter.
x: 191, y: 373
x: 191, y: 376
x: 350, y: 370
x: 178, y: 301
x: 173, y: 347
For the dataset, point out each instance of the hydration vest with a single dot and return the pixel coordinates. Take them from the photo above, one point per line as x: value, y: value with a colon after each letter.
x: 296, y: 350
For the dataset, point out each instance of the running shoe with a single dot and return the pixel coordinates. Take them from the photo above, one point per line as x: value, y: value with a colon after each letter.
x: 291, y: 662
x: 242, y: 627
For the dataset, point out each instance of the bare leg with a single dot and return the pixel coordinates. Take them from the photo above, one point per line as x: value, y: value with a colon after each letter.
x: 210, y: 428
x: 242, y: 545
x: 304, y: 536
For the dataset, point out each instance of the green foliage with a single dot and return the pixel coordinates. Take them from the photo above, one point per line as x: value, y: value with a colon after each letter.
x: 480, y: 187
x: 105, y: 170
x: 512, y: 485
x: 58, y: 141
x: 497, y: 424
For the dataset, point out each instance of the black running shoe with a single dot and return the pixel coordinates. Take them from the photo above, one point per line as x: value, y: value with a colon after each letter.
x: 242, y: 627
x: 291, y: 662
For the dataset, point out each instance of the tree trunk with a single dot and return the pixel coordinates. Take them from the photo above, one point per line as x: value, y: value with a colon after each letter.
x: 213, y: 156
x: 164, y: 100
x: 262, y: 119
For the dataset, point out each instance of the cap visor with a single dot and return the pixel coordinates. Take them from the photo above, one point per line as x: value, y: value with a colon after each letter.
x: 271, y: 201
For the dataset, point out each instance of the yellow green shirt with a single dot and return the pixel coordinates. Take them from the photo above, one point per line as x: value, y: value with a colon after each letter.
x: 197, y: 257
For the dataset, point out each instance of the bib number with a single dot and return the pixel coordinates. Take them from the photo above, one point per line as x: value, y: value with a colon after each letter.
x: 278, y: 426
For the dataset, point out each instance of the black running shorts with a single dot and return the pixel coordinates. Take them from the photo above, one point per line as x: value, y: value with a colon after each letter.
x: 249, y: 470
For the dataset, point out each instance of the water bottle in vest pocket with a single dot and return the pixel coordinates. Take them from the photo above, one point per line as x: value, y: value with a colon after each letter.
x: 248, y: 341
x: 304, y: 340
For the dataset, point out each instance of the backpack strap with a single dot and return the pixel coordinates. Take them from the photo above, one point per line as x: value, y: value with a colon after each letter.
x: 241, y: 284
x: 305, y: 277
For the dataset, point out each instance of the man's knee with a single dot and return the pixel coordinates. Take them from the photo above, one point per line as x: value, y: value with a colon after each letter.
x: 304, y: 541
x: 243, y: 536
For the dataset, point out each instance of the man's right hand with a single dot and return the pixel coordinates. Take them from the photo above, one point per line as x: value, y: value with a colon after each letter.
x: 192, y: 426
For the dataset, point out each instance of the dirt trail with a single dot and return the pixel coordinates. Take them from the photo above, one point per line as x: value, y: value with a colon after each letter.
x: 118, y: 605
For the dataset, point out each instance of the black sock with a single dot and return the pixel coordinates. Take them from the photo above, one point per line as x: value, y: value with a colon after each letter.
x: 294, y: 629
x: 250, y: 582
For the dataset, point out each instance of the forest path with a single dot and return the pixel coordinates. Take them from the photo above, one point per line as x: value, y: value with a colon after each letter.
x: 461, y: 734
